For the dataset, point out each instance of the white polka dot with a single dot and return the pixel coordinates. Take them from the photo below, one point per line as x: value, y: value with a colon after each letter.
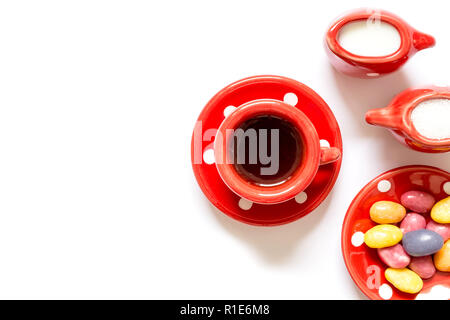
x: 357, y: 239
x: 290, y: 98
x: 228, y: 110
x: 373, y: 74
x: 208, y: 156
x: 437, y: 292
x: 385, y: 291
x: 245, y: 204
x: 324, y: 143
x: 384, y: 186
x: 301, y: 197
x: 446, y: 187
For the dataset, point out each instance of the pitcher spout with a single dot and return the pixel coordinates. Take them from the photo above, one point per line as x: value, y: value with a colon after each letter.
x: 382, y: 117
x: 423, y: 41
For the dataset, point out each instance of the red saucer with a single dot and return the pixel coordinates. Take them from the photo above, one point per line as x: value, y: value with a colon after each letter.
x: 363, y: 262
x: 268, y: 87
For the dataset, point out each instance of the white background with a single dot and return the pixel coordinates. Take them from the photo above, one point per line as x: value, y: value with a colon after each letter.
x: 98, y: 100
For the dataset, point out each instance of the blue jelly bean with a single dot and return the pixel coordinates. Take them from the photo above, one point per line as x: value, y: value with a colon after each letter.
x: 422, y: 242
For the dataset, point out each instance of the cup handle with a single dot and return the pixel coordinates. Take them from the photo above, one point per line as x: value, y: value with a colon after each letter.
x: 329, y: 155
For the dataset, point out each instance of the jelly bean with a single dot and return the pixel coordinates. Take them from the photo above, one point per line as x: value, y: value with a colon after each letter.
x: 441, y: 211
x: 387, y: 212
x: 442, y: 258
x: 441, y: 228
x: 404, y: 280
x: 417, y: 201
x: 423, y: 266
x: 412, y: 222
x: 394, y: 257
x: 422, y: 242
x: 383, y: 235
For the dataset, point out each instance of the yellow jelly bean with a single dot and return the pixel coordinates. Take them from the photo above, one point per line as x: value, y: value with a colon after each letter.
x: 404, y: 280
x: 442, y: 258
x: 382, y: 236
x: 387, y: 212
x: 441, y: 211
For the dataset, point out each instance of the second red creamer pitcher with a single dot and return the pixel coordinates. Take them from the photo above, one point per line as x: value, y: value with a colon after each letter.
x: 418, y: 117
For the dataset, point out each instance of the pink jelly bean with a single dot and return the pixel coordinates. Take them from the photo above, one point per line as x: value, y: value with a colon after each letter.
x: 395, y: 256
x: 412, y: 221
x: 417, y: 201
x: 423, y: 266
x: 442, y: 229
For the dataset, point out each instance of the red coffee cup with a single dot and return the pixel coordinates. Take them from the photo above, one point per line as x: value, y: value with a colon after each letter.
x: 352, y: 64
x: 397, y: 117
x: 313, y: 155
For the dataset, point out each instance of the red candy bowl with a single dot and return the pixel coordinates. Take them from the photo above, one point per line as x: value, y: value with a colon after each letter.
x: 365, y: 267
x: 416, y: 117
x: 313, y: 158
x: 380, y: 51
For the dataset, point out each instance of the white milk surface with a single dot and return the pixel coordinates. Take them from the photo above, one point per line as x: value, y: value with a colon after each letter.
x: 369, y: 38
x: 431, y: 118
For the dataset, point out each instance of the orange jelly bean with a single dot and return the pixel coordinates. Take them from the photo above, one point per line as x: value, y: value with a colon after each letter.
x: 387, y: 212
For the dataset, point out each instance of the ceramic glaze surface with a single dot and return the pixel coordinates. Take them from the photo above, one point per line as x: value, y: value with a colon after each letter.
x: 303, y: 170
x: 279, y: 89
x: 398, y: 117
x: 368, y: 38
x: 363, y: 263
x: 368, y: 64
